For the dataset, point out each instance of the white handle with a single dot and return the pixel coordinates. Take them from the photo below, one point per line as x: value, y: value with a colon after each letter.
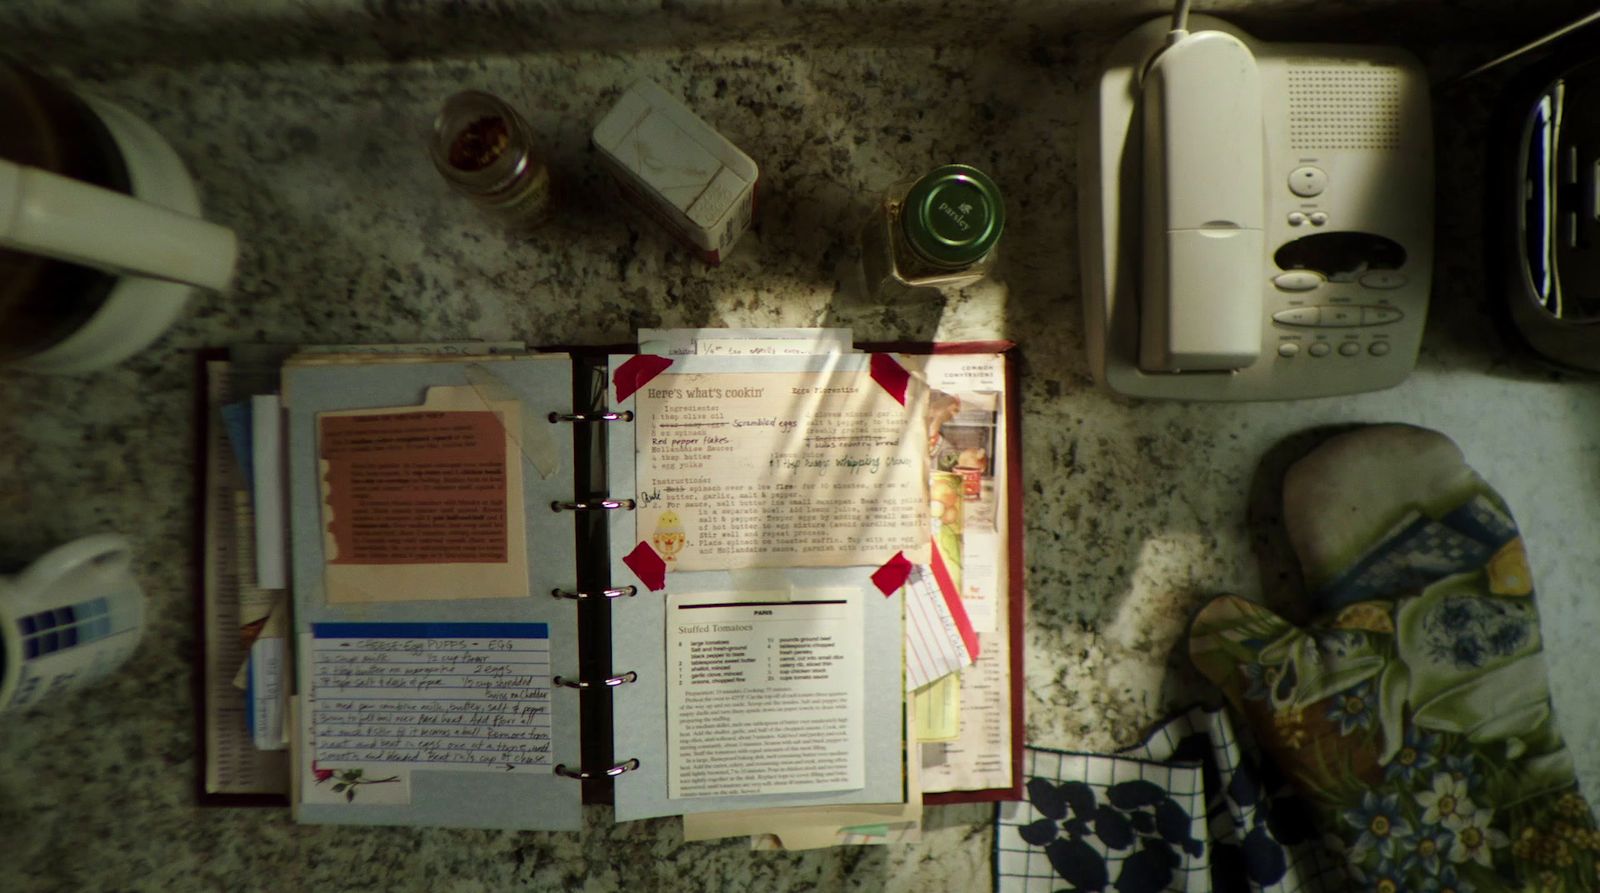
x: 107, y: 551
x: 55, y: 216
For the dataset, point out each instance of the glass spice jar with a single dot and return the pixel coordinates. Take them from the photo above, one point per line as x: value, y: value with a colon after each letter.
x: 940, y: 230
x: 484, y: 149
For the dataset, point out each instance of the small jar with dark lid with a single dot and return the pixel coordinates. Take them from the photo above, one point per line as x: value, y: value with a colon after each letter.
x: 940, y: 230
x: 484, y: 149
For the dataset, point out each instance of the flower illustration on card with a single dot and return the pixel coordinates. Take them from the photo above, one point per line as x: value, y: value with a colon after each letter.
x: 347, y: 780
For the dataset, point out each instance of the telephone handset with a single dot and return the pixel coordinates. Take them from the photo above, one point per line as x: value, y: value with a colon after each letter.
x: 1257, y: 218
x: 1202, y: 207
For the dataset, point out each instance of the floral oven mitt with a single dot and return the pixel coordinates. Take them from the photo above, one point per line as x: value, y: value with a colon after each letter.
x: 1415, y: 717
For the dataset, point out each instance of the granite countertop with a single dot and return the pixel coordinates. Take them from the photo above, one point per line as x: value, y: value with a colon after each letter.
x: 303, y: 123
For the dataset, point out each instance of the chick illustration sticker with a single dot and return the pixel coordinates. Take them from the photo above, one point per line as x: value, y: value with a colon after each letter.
x: 669, y: 538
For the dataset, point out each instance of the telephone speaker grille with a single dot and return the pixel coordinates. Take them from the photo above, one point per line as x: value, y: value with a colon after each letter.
x: 1344, y: 107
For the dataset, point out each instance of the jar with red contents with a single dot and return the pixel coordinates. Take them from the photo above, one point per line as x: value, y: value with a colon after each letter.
x: 484, y: 150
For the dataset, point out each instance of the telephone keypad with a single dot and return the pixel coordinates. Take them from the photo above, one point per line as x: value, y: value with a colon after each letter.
x: 1340, y: 316
x: 1383, y: 279
x: 1298, y: 316
x: 1297, y: 280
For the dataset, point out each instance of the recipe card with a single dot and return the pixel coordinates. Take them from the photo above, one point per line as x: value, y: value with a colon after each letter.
x: 430, y: 695
x: 764, y: 693
x: 424, y: 502
x: 780, y: 469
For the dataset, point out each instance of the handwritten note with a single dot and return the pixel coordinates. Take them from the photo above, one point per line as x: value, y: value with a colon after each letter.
x: 745, y: 342
x: 934, y: 644
x: 434, y: 695
x: 779, y: 469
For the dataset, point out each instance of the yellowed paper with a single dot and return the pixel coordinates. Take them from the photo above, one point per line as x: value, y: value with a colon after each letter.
x: 967, y: 445
x: 348, y: 581
x: 233, y: 765
x: 764, y: 693
x: 792, y: 823
x: 257, y: 607
x: 855, y: 835
x: 907, y: 832
x: 780, y: 469
x: 274, y: 624
x: 939, y: 710
x: 980, y: 756
x: 812, y: 827
x: 255, y: 603
x: 969, y: 440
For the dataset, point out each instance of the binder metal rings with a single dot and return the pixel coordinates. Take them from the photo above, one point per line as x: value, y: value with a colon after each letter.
x: 608, y: 772
x: 604, y: 593
x: 608, y: 682
x: 592, y: 505
x: 624, y: 416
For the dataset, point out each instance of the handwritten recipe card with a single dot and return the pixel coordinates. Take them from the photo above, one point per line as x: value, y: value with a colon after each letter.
x: 388, y: 697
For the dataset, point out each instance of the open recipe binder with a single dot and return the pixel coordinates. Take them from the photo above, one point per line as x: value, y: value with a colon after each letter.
x: 678, y: 583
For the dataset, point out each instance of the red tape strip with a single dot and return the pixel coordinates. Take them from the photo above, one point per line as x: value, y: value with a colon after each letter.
x: 647, y: 566
x: 890, y: 375
x: 952, y: 601
x: 636, y: 372
x: 892, y: 575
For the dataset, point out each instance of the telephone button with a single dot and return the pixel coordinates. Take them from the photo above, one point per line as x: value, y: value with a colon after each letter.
x: 1307, y: 181
x: 1319, y: 349
x: 1298, y: 316
x: 1379, y: 316
x: 1349, y: 348
x: 1383, y: 279
x: 1340, y: 316
x: 1288, y: 349
x: 1297, y: 280
x: 1379, y: 348
x: 1297, y: 218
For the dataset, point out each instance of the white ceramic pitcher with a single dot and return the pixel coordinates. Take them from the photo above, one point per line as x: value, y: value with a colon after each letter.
x: 152, y: 240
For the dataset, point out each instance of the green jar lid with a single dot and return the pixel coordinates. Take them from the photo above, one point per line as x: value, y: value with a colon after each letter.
x: 953, y: 216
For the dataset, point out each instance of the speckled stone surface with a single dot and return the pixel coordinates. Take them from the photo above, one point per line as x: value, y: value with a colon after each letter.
x: 303, y: 124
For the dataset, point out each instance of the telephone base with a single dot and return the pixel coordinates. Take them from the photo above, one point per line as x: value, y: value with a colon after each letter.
x: 1348, y: 179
